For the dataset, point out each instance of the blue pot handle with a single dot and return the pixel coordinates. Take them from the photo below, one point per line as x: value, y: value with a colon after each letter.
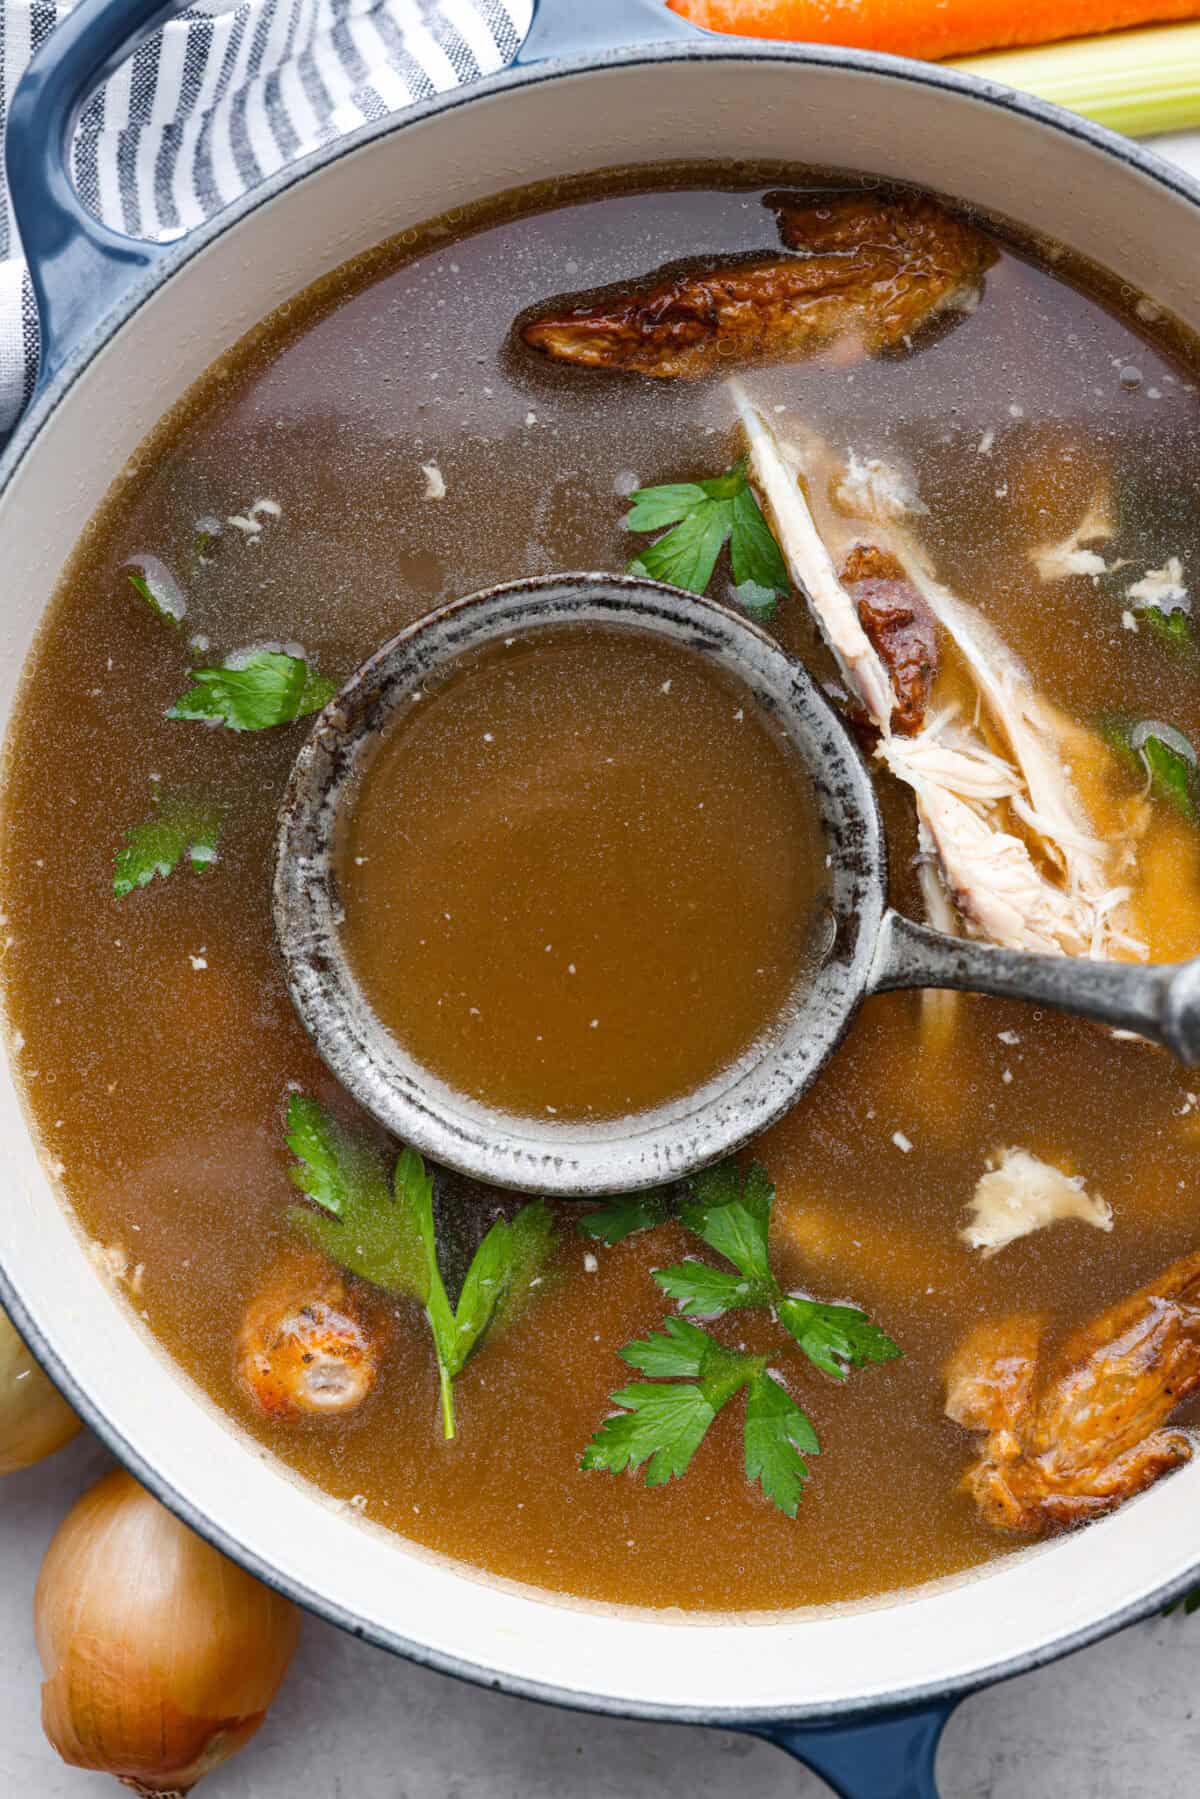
x: 589, y: 27
x: 889, y: 1756
x: 79, y: 268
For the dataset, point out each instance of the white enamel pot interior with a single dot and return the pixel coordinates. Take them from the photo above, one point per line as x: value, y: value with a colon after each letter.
x: 835, y: 109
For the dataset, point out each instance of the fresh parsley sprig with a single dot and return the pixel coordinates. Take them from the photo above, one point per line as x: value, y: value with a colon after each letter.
x: 662, y: 1422
x: 383, y: 1231
x: 254, y: 691
x: 179, y: 827
x: 497, y: 1281
x: 730, y: 1210
x: 703, y: 516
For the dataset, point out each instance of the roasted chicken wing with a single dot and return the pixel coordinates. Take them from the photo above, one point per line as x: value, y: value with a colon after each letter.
x: 1073, y: 1444
x: 863, y: 269
x: 304, y: 1350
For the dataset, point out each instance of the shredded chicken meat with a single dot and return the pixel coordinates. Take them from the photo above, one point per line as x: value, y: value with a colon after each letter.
x: 1068, y: 1444
x: 1071, y: 554
x: 865, y: 270
x: 999, y: 815
x: 811, y: 567
x: 1019, y: 1193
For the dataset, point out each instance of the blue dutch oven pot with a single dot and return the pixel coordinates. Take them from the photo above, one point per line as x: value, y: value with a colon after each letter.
x: 860, y: 1695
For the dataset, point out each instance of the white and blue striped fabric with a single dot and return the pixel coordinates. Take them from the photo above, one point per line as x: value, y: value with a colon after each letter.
x: 225, y: 96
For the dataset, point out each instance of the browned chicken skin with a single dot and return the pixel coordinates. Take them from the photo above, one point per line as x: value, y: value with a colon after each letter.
x: 303, y: 1349
x: 862, y: 268
x: 1074, y: 1444
x: 900, y: 628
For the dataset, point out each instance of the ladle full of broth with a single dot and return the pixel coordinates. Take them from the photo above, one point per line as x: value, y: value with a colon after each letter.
x: 580, y: 880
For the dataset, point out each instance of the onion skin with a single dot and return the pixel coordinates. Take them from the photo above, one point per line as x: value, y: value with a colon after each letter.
x: 160, y: 1655
x: 35, y: 1419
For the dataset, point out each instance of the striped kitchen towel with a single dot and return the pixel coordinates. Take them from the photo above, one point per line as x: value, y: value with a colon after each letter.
x: 225, y: 96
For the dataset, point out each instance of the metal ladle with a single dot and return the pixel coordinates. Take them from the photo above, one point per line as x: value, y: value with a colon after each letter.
x: 869, y: 948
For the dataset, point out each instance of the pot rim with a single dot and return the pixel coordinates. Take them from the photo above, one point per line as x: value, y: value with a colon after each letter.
x: 711, y: 48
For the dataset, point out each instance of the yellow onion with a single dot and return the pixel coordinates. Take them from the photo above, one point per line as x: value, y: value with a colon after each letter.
x: 160, y: 1656
x: 35, y: 1419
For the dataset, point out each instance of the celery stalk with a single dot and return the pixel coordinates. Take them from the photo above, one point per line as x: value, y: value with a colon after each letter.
x: 1138, y: 82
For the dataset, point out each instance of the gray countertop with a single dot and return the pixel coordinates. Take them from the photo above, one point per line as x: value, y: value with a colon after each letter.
x: 1117, y: 1721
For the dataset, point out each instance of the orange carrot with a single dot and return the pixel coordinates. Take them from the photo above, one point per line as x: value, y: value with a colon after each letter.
x: 927, y: 28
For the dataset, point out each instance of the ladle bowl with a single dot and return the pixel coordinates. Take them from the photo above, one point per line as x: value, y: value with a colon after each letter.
x: 866, y: 947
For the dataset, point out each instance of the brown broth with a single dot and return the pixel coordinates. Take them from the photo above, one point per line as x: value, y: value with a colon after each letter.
x: 580, y: 876
x: 157, y: 1084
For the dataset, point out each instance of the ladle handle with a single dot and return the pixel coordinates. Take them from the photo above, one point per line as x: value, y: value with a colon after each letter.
x: 1160, y: 1001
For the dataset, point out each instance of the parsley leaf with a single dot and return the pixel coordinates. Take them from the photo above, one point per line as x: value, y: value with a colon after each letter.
x: 359, y: 1226
x: 205, y: 538
x: 835, y: 1338
x: 1172, y: 776
x: 686, y: 556
x: 412, y: 1190
x: 504, y: 1270
x: 267, y: 687
x: 754, y: 554
x: 777, y: 1437
x: 704, y: 516
x: 176, y: 828
x: 320, y: 1171
x: 386, y: 1234
x: 503, y: 1273
x: 679, y: 1348
x: 627, y: 1213
x: 704, y: 1292
x: 414, y: 1198
x: 732, y: 1213
x: 1187, y: 1603
x: 1173, y: 627
x: 160, y: 605
x: 654, y: 508
x: 1157, y: 750
x: 664, y: 1424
